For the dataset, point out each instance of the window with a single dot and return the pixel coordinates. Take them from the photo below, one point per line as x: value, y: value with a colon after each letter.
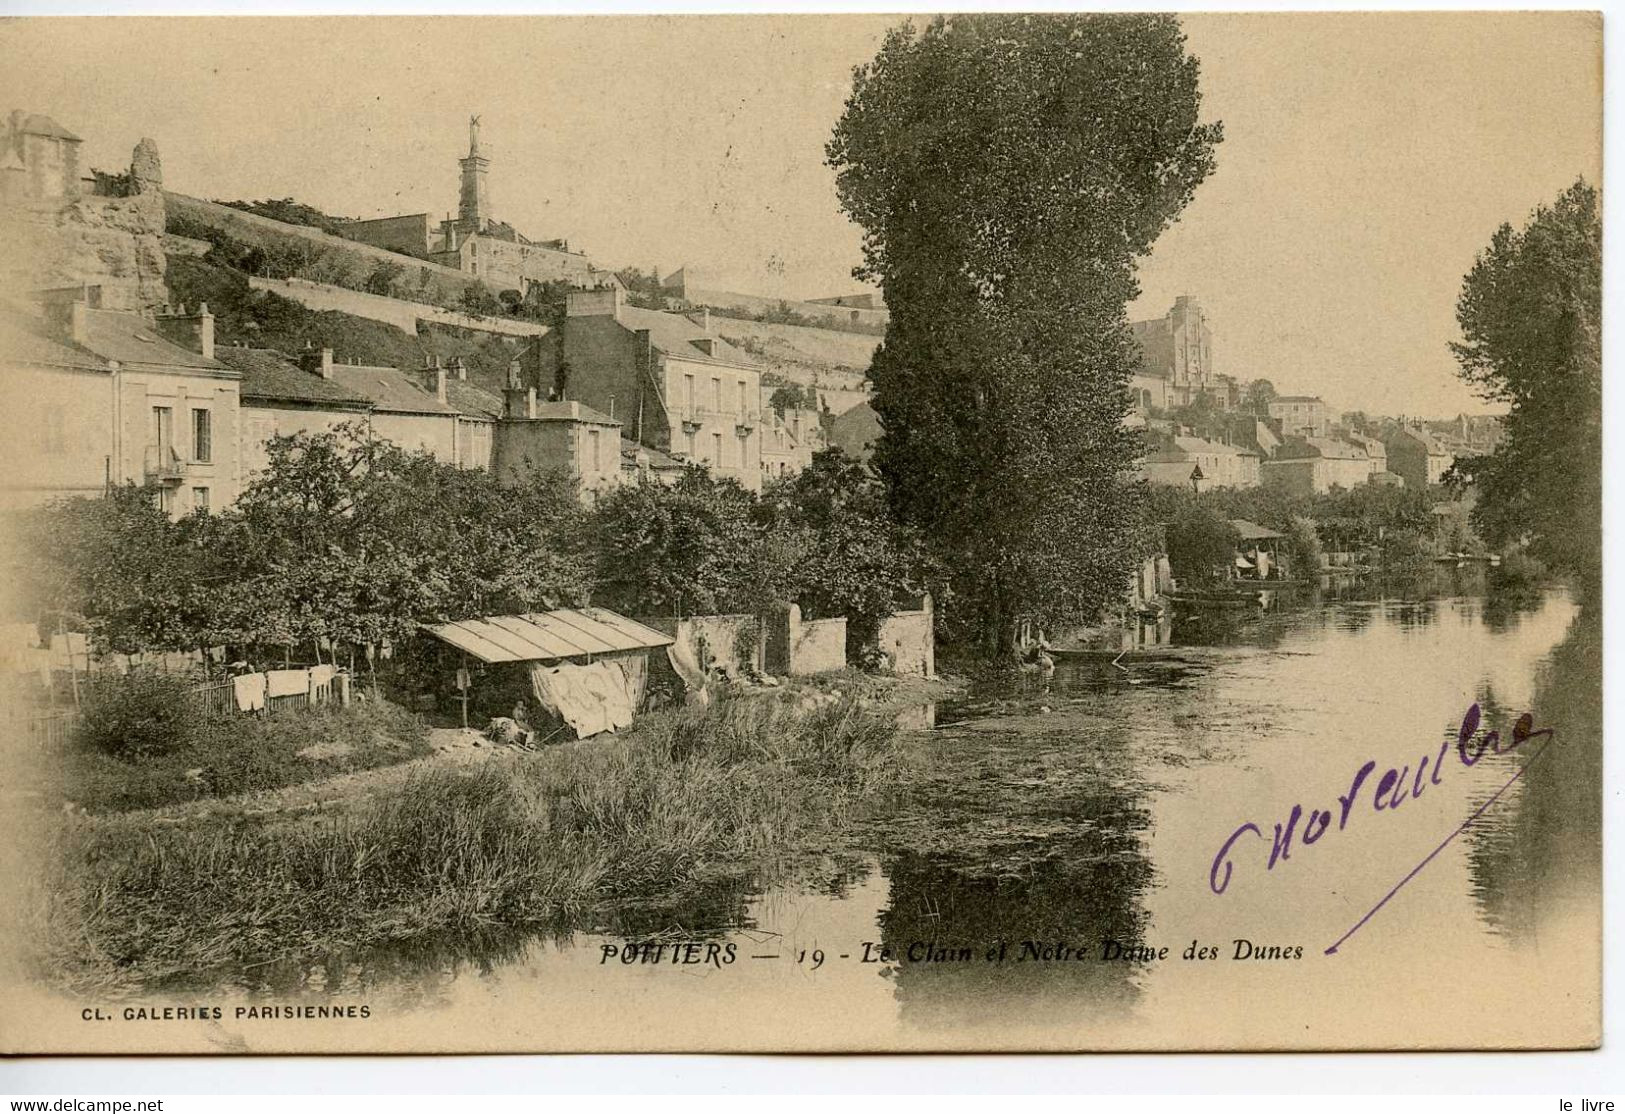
x: 593, y: 447
x: 716, y: 395
x: 690, y: 436
x: 744, y: 450
x: 716, y: 448
x: 202, y: 442
x: 163, y: 432
x: 742, y: 396
x: 166, y: 499
x: 200, y: 499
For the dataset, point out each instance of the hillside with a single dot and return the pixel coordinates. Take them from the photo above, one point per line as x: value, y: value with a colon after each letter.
x: 265, y: 319
x: 834, y: 362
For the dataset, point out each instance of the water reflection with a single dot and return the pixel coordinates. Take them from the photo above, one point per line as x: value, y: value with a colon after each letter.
x: 1539, y: 854
x: 1084, y: 806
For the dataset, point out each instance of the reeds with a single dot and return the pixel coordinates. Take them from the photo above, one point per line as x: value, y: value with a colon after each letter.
x: 530, y: 840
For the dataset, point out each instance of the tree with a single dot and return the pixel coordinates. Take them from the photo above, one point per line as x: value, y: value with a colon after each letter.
x: 1201, y: 545
x: 857, y: 561
x: 1007, y: 171
x: 1257, y: 396
x: 697, y: 547
x: 1530, y: 315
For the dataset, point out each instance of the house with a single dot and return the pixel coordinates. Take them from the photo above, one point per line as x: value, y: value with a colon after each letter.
x: 673, y: 385
x: 1315, y: 465
x: 280, y: 399
x: 112, y: 398
x: 569, y: 436
x: 1374, y: 450
x: 641, y: 464
x: 1416, y: 456
x: 1301, y: 415
x: 404, y: 410
x: 855, y: 431
x: 1185, y: 461
x: 790, y: 439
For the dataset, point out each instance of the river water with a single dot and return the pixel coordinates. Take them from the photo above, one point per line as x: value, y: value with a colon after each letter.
x: 1057, y: 818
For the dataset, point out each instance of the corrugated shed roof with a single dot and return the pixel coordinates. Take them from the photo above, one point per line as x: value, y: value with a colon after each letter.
x: 130, y: 339
x: 269, y: 375
x: 1252, y: 531
x: 389, y: 389
x: 548, y: 635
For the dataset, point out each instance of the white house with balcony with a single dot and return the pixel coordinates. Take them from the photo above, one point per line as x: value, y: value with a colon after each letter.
x: 671, y: 384
x: 106, y: 398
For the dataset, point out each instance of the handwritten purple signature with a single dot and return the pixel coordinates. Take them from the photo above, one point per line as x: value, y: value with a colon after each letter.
x: 1390, y: 793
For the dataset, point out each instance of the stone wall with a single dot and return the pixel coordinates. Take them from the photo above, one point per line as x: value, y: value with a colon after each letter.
x: 796, y: 646
x: 391, y: 311
x: 736, y: 642
x: 350, y: 261
x: 909, y: 640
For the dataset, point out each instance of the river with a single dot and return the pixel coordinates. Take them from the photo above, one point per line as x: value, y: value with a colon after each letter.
x: 1057, y: 817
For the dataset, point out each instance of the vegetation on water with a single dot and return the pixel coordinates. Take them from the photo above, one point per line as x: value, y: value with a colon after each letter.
x: 125, y: 901
x: 147, y: 741
x: 1005, y: 366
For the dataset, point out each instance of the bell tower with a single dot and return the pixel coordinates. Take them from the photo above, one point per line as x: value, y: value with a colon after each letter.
x: 474, y: 202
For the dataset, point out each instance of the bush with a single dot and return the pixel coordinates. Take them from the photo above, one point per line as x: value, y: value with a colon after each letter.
x: 227, y: 753
x: 138, y: 717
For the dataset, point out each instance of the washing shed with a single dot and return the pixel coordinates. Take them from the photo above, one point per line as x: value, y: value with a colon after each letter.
x: 581, y: 671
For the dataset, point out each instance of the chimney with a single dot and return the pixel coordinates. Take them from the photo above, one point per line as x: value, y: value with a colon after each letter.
x: 317, y: 362
x: 194, y: 331
x: 437, y: 379
x: 519, y: 402
x: 459, y: 370
x: 603, y: 302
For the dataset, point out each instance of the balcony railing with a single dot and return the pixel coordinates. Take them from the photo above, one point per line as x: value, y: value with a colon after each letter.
x: 163, y: 465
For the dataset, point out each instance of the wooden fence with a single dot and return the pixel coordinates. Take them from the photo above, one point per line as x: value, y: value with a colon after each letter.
x: 51, y: 725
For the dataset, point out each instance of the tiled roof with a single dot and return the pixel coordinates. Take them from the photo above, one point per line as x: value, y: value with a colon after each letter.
x: 269, y: 375
x: 658, y: 460
x: 472, y: 401
x: 674, y: 334
x: 1324, y: 447
x: 130, y: 339
x: 37, y: 123
x: 27, y: 339
x: 389, y: 389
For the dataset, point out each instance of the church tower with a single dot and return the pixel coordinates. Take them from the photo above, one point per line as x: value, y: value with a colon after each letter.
x: 474, y: 203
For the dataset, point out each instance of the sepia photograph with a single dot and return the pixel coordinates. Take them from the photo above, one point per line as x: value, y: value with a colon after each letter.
x: 848, y: 532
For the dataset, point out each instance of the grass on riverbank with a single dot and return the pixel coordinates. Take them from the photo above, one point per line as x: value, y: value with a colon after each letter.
x: 125, y: 901
x: 225, y: 753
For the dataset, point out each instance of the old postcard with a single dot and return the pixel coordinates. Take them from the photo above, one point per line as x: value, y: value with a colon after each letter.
x: 842, y: 532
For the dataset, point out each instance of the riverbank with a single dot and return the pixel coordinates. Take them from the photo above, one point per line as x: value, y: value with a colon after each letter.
x: 522, y: 839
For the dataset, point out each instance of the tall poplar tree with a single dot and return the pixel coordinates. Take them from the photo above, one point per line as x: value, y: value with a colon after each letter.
x: 1531, y: 321
x: 1007, y: 171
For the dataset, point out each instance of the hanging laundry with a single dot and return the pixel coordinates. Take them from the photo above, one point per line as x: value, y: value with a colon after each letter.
x: 287, y: 682
x: 249, y: 691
